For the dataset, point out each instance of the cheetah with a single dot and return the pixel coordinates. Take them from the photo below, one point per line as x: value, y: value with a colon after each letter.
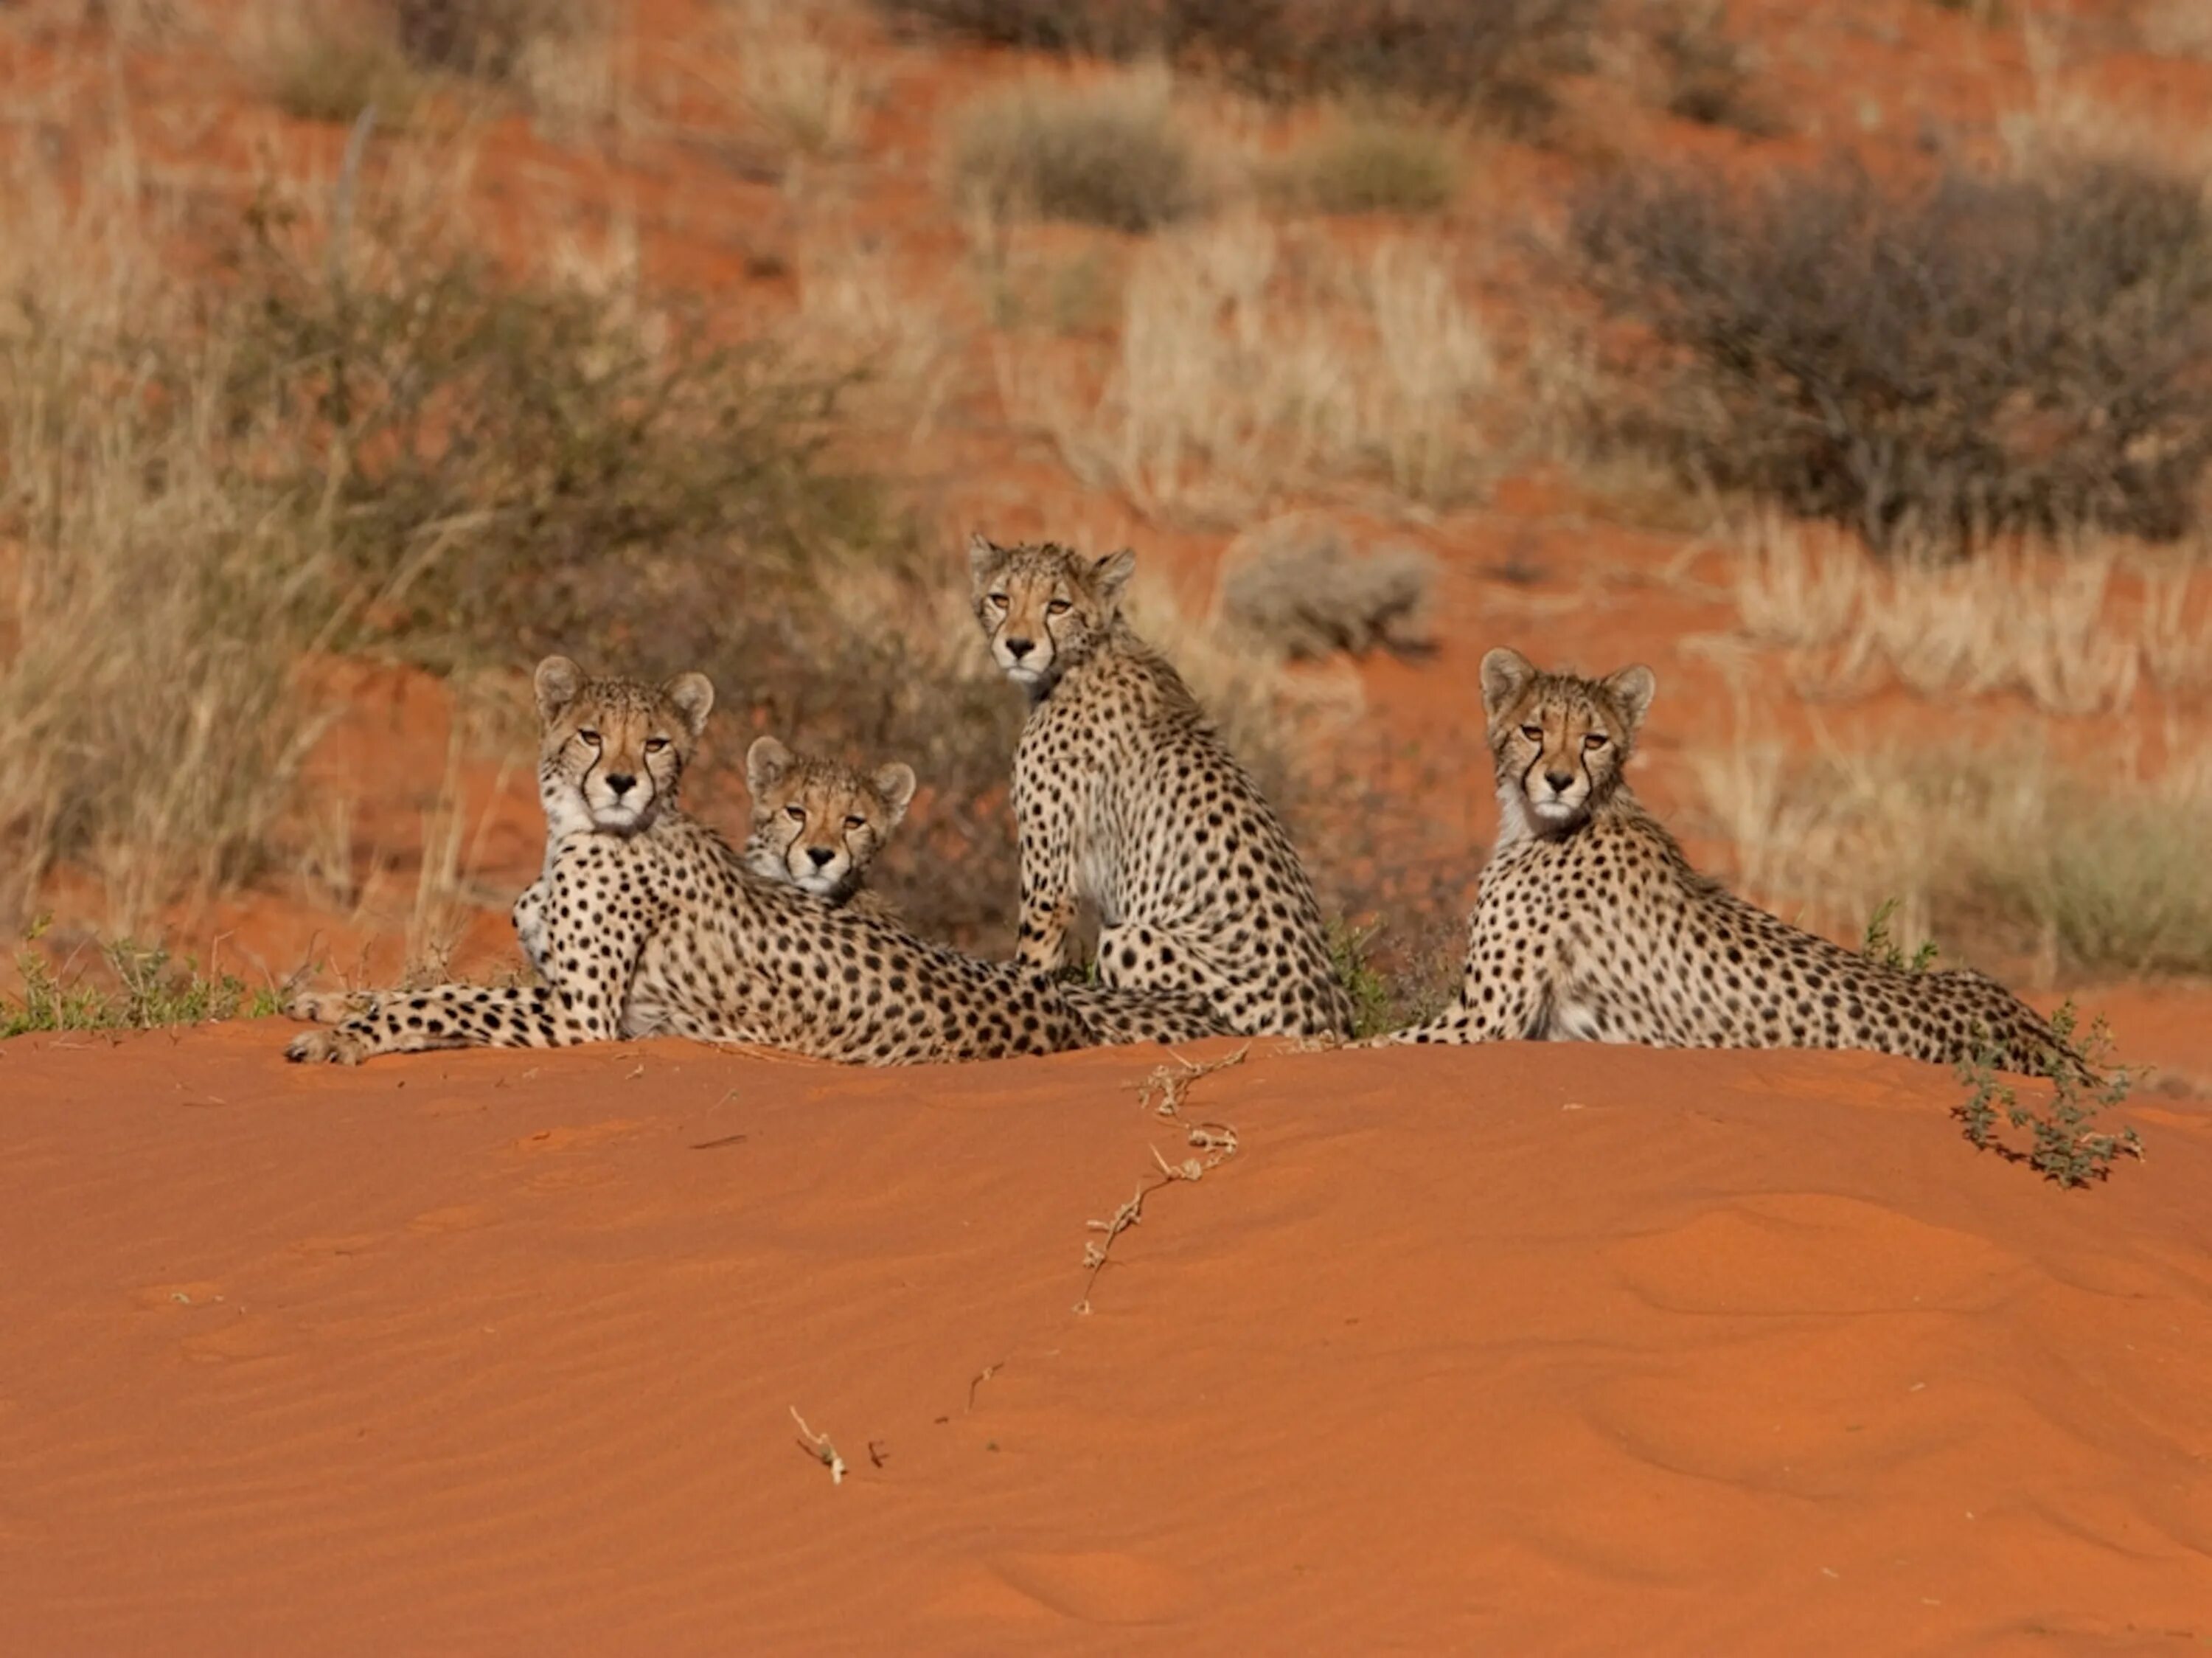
x: 1126, y: 798
x: 1590, y: 925
x: 651, y: 924
x: 818, y: 825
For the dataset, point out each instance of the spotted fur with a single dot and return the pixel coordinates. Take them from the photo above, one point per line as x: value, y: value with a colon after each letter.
x: 1127, y: 801
x: 1589, y: 924
x: 652, y: 924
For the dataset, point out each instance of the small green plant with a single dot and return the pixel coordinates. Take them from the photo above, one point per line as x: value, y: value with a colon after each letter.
x: 2067, y: 1146
x: 1879, y: 946
x: 148, y: 991
x: 1374, y: 1003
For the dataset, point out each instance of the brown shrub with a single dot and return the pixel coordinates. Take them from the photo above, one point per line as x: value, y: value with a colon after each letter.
x: 1980, y: 354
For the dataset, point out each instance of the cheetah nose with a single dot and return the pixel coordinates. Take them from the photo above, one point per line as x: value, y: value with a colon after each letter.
x: 1019, y: 649
x: 821, y: 855
x: 621, y: 784
x: 1560, y: 781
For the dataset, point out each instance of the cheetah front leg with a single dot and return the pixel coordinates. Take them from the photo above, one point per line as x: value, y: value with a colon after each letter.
x: 412, y: 1021
x: 591, y: 952
x: 1048, y: 855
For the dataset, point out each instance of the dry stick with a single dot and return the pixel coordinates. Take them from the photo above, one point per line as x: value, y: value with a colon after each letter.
x: 819, y: 1447
x: 1216, y: 1140
x: 1168, y: 1084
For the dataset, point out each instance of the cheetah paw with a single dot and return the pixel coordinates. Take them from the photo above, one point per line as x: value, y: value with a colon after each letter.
x: 335, y: 1047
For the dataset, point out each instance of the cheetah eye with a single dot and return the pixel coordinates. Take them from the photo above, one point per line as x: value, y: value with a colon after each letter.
x: 654, y: 745
x: 856, y: 823
x: 1595, y: 741
x: 796, y: 814
x: 1059, y: 607
x: 997, y: 601
x: 590, y: 736
x: 1534, y: 733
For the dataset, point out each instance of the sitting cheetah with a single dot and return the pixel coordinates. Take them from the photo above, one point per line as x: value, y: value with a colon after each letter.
x: 1126, y: 798
x: 1589, y: 924
x: 651, y: 924
x: 818, y: 825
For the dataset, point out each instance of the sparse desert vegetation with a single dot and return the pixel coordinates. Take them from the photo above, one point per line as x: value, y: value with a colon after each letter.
x: 1229, y: 276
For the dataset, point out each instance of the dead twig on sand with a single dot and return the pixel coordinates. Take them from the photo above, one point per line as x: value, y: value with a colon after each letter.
x: 1218, y: 1141
x: 1165, y: 1089
x: 819, y: 1447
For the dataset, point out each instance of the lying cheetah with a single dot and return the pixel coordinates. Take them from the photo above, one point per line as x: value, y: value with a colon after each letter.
x: 1126, y: 798
x: 818, y: 825
x: 1589, y: 924
x: 651, y: 924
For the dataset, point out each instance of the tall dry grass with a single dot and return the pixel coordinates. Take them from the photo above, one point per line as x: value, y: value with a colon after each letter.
x: 154, y: 592
x: 2003, y: 857
x: 1246, y: 374
x: 2075, y: 628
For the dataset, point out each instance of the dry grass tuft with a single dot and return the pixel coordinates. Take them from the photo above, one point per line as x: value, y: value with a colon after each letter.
x: 1242, y: 378
x: 1369, y: 164
x: 1109, y: 154
x: 149, y: 726
x: 1999, y: 857
x: 805, y: 93
x: 326, y: 64
x: 1297, y: 588
x: 2075, y: 631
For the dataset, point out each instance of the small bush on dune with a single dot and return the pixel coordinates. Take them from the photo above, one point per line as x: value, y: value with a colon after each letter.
x: 1303, y: 592
x: 1108, y: 155
x: 1369, y: 165
x: 489, y: 39
x: 1980, y: 355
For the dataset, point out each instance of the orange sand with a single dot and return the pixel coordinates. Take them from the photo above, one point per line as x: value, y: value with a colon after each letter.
x: 1522, y: 1349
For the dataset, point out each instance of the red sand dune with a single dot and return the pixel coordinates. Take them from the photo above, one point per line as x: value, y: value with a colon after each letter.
x: 1519, y: 1348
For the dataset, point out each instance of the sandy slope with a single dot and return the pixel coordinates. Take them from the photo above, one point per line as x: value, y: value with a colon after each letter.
x: 1554, y: 1348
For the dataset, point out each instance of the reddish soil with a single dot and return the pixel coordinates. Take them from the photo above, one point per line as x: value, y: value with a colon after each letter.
x: 1560, y: 1349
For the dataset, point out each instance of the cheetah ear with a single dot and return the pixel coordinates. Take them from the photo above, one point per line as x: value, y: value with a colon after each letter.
x: 1504, y: 674
x: 556, y: 684
x: 895, y: 783
x: 766, y: 762
x: 1112, y: 573
x: 984, y: 557
x: 694, y: 697
x: 1632, y: 688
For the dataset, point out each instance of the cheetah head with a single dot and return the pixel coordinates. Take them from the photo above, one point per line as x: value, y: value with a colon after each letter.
x: 818, y: 825
x: 1045, y: 607
x: 612, y: 752
x: 1560, y: 742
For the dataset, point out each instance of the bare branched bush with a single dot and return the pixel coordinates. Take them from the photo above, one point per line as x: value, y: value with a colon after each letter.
x: 2031, y: 351
x: 1299, y: 588
x: 1242, y: 378
x: 1109, y: 154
